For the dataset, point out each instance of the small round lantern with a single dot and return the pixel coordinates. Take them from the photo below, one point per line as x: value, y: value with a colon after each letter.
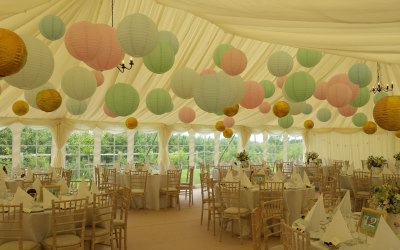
x: 228, y: 133
x: 229, y: 122
x: 308, y: 124
x: 158, y: 101
x: 264, y: 107
x: 52, y: 27
x: 280, y: 63
x: 269, y: 88
x: 13, y: 53
x: 308, y: 58
x: 122, y: 99
x: 370, y: 127
x: 131, y: 122
x: 48, y: 100
x: 219, y: 125
x: 286, y: 121
x: 253, y: 95
x: 76, y: 107
x: 359, y: 119
x: 170, y: 39
x: 186, y: 115
x: 281, y: 108
x: 324, y: 115
x: 387, y: 113
x: 20, y: 107
x: 79, y: 83
x: 182, y: 82
x: 160, y: 59
x: 347, y: 110
x: 360, y: 74
x: 219, y: 52
x: 233, y: 62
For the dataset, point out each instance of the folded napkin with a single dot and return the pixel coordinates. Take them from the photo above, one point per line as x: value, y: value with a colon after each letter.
x: 47, y: 198
x: 3, y: 186
x: 94, y: 189
x: 296, y: 180
x: 29, y: 175
x: 36, y: 185
x: 315, y: 216
x: 83, y: 190
x: 306, y: 180
x: 63, y: 186
x: 280, y: 175
x: 345, y: 205
x: 23, y: 197
x: 127, y: 168
x: 337, y: 231
x: 386, y: 171
x: 245, y: 181
x: 228, y: 176
x: 384, y: 237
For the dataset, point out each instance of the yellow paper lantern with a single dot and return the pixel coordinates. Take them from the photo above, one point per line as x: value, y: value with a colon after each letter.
x: 370, y: 127
x: 48, y: 100
x: 397, y: 134
x: 281, y: 109
x: 308, y: 124
x: 131, y: 123
x: 228, y: 133
x: 219, y: 125
x: 387, y: 113
x: 13, y: 53
x: 232, y: 110
x: 20, y: 107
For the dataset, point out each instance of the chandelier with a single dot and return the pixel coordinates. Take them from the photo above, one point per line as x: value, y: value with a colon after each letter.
x: 379, y: 87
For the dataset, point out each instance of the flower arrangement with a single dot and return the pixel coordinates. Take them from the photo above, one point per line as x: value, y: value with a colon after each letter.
x: 242, y: 156
x: 311, y: 156
x: 386, y: 197
x: 375, y: 161
x: 397, y: 156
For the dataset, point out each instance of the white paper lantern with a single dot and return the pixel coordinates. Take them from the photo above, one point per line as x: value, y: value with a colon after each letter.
x: 170, y: 39
x: 78, y: 83
x: 182, y: 82
x: 280, y: 63
x: 76, y: 107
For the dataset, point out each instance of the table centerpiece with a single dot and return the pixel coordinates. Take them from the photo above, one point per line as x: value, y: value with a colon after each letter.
x: 311, y: 156
x: 375, y: 164
x: 243, y: 157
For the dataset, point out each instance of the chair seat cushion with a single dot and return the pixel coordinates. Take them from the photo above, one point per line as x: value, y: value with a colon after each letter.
x: 118, y: 223
x: 63, y: 240
x: 169, y: 189
x: 98, y: 231
x: 363, y: 193
x: 234, y: 210
x: 137, y: 191
x: 27, y: 245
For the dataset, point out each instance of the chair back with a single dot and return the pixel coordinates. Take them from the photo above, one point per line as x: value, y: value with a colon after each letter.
x: 271, y: 190
x: 173, y: 180
x: 138, y: 179
x: 102, y: 216
x: 189, y: 176
x: 256, y: 228
x: 109, y: 175
x: 204, y: 167
x: 97, y: 175
x: 11, y: 223
x: 362, y: 181
x: 67, y: 176
x: 122, y: 203
x: 314, y: 173
x: 364, y: 164
x: 287, y: 168
x: 257, y: 179
x: 204, y: 176
x: 230, y: 194
x: 223, y: 170
x: 392, y: 179
x: 293, y: 239
x: 45, y: 178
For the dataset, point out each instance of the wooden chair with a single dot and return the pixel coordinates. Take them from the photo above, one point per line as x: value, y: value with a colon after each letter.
x: 293, y: 239
x: 257, y: 179
x: 67, y: 176
x: 314, y: 174
x: 256, y: 228
x: 186, y: 187
x: 11, y: 229
x: 68, y: 225
x: 97, y: 177
x: 205, y: 201
x: 392, y: 179
x: 362, y: 187
x: 45, y: 178
x: 109, y: 175
x: 52, y: 188
x: 173, y: 186
x: 329, y: 191
x: 122, y: 203
x: 223, y: 170
x: 58, y: 171
x: 100, y: 230
x: 231, y: 209
x: 271, y: 190
x: 204, y: 168
x: 287, y: 168
x: 138, y: 184
x: 214, y: 207
x: 107, y: 187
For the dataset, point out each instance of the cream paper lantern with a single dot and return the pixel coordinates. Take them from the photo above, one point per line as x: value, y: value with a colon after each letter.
x: 324, y: 115
x: 170, y: 39
x: 182, y: 82
x: 76, y: 107
x: 78, y: 83
x: 280, y: 63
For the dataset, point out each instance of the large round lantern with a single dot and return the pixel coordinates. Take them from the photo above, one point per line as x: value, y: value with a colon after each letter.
x: 78, y: 83
x: 387, y: 113
x: 280, y: 63
x: 232, y: 110
x: 308, y: 58
x: 339, y: 95
x: 308, y: 124
x: 219, y: 52
x: 359, y: 119
x: 362, y: 98
x: 269, y: 88
x: 137, y: 35
x: 229, y: 122
x: 321, y: 91
x: 52, y: 27
x: 182, y: 82
x: 20, y: 107
x: 158, y: 101
x: 186, y: 115
x: 253, y: 95
x: 360, y: 74
x: 286, y: 121
x: 30, y: 95
x: 299, y: 86
x: 344, y: 79
x: 233, y: 62
x: 76, y: 107
x: 48, y: 100
x: 170, y: 39
x: 264, y: 107
x: 397, y: 134
x: 219, y: 125
x: 281, y: 108
x: 347, y: 110
x: 108, y: 112
x: 370, y: 127
x: 13, y: 53
x: 160, y: 59
x: 379, y: 96
x: 228, y: 132
x: 122, y: 99
x: 324, y: 115
x: 131, y: 123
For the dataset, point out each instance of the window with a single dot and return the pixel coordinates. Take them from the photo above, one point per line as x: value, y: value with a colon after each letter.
x: 255, y: 148
x: 204, y: 149
x: 114, y: 148
x: 79, y: 154
x: 6, y: 148
x: 36, y: 148
x: 295, y: 148
x: 228, y: 148
x: 178, y: 149
x: 145, y: 149
x: 275, y: 148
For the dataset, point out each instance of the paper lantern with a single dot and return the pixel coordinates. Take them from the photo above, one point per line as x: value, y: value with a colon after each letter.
x: 76, y: 107
x: 38, y: 68
x: 182, y: 82
x: 359, y: 119
x: 264, y: 107
x: 307, y: 109
x: 321, y: 91
x: 286, y: 121
x: 228, y: 133
x: 108, y: 112
x: 308, y: 124
x: 219, y: 52
x: 20, y: 107
x: 281, y: 108
x: 160, y: 59
x: 229, y: 122
x: 397, y: 134
x: 308, y: 58
x: 299, y: 86
x: 233, y: 62
x: 186, y: 115
x: 280, y: 81
x: 347, y: 110
x: 219, y: 125
x: 253, y: 95
x: 52, y: 27
x: 360, y: 74
x: 269, y: 88
x: 324, y: 115
x: 362, y: 98
x: 170, y: 39
x: 158, y: 101
x: 122, y: 99
x: 30, y: 95
x: 344, y: 79
x: 339, y: 95
x: 232, y: 110
x: 370, y: 127
x: 137, y: 35
x: 207, y: 72
x: 379, y: 96
x: 99, y: 77
x: 78, y: 83
x: 13, y: 53
x: 387, y: 113
x: 131, y: 122
x: 48, y: 100
x: 296, y: 107
x: 280, y: 63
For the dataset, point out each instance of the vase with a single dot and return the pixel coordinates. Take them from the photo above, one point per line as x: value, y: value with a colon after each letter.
x: 394, y: 222
x: 376, y: 170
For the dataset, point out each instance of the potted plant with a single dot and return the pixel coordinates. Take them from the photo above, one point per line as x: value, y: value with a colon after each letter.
x: 375, y: 164
x: 243, y: 157
x: 311, y: 156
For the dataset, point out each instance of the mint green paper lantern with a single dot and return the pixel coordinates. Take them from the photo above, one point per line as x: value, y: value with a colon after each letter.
x: 76, y: 107
x: 170, y: 39
x: 79, y: 83
x: 379, y: 96
x: 280, y: 63
x: 286, y: 121
x: 359, y: 119
x: 30, y: 95
x: 362, y: 98
x: 182, y: 82
x: 160, y: 59
x: 52, y: 27
x: 296, y: 107
x: 360, y: 74
x: 324, y: 115
x: 299, y: 86
x: 307, y: 109
x: 158, y: 101
x: 269, y: 88
x: 308, y: 58
x: 219, y: 52
x: 122, y: 99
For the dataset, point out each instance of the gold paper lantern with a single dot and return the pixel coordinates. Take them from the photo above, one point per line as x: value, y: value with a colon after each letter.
x: 48, y: 100
x: 20, y: 107
x: 397, y: 134
x: 228, y: 133
x: 370, y: 127
x: 13, y: 53
x: 308, y: 124
x: 131, y: 123
x: 387, y: 113
x: 281, y: 109
x: 232, y: 110
x: 219, y: 125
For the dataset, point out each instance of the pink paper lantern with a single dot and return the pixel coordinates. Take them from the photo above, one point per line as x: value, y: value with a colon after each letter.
x: 110, y: 53
x: 264, y: 107
x: 207, y: 72
x: 229, y: 122
x: 99, y: 77
x: 339, y: 95
x: 108, y: 112
x: 186, y: 115
x: 253, y: 95
x: 233, y: 62
x: 347, y: 110
x: 320, y: 91
x: 83, y: 41
x: 343, y: 78
x: 280, y: 81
